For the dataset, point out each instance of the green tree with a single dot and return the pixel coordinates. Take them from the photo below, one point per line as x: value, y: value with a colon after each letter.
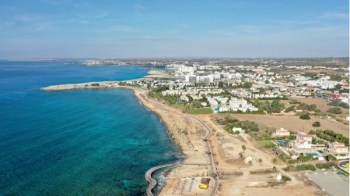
x: 316, y: 124
x: 290, y: 108
x: 305, y: 116
x: 260, y: 161
x: 247, y: 84
x: 335, y: 110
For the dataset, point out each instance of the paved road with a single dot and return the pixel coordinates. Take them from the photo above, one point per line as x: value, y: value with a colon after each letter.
x: 212, y: 167
x: 213, y: 170
x: 152, y: 181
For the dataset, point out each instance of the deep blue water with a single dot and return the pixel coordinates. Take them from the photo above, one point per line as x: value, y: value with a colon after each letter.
x: 77, y: 142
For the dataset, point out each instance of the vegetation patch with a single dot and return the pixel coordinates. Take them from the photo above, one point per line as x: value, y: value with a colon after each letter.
x: 230, y: 123
x: 303, y: 167
x: 339, y: 103
x: 331, y: 136
x: 335, y: 110
x: 316, y: 124
x: 325, y: 165
x: 266, y: 143
x: 304, y: 116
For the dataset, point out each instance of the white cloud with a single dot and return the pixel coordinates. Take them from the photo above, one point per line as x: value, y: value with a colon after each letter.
x: 139, y: 7
x: 335, y: 15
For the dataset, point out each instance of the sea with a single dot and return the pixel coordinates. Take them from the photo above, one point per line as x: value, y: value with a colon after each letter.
x: 76, y: 142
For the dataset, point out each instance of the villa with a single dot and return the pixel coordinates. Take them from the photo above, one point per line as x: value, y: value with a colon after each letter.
x: 303, y: 141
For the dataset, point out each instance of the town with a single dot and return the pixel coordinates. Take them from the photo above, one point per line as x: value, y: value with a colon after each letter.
x: 314, y: 96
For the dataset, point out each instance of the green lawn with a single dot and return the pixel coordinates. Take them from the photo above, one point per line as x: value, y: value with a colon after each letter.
x: 266, y: 143
x: 199, y: 110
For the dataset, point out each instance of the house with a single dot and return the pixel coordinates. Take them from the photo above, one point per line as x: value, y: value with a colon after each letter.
x: 303, y: 141
x: 281, y: 132
x: 338, y: 148
x: 237, y: 129
x: 304, y: 136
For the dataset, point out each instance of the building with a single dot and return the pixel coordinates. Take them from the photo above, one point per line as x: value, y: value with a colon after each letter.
x: 303, y: 141
x: 238, y: 129
x: 281, y: 132
x: 338, y: 148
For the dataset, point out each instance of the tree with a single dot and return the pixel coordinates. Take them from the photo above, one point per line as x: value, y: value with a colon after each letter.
x: 305, y: 116
x: 221, y: 84
x: 190, y: 99
x: 335, y: 110
x: 290, y: 108
x: 276, y: 106
x: 316, y: 124
x: 267, y: 82
x: 247, y: 84
x: 274, y: 160
x: 241, y: 155
x: 244, y: 147
x: 312, y: 132
x: 260, y: 161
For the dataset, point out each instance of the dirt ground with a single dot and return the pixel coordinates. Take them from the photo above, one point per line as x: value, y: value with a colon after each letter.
x: 234, y: 173
x: 293, y: 123
x: 322, y: 105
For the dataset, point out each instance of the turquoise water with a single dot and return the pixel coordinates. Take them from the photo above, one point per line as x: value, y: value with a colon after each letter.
x: 77, y: 142
x: 313, y: 154
x: 282, y: 142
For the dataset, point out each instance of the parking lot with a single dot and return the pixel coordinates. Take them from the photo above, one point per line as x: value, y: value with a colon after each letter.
x: 330, y: 181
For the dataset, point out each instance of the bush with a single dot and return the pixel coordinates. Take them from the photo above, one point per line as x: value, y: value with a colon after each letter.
x: 312, y: 132
x: 335, y: 110
x: 339, y: 103
x: 325, y: 165
x: 331, y: 136
x: 330, y: 158
x: 305, y: 116
x: 300, y: 167
x: 316, y: 124
x: 290, y: 109
x: 285, y: 178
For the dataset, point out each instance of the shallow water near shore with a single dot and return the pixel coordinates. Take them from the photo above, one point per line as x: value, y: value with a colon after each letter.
x: 76, y: 142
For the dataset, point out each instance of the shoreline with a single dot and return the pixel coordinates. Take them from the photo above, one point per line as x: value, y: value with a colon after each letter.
x: 146, y: 102
x: 198, y: 138
x: 189, y: 134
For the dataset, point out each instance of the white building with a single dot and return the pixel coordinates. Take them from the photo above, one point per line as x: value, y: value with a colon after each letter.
x: 281, y: 132
x: 303, y: 141
x: 338, y: 148
x: 238, y: 129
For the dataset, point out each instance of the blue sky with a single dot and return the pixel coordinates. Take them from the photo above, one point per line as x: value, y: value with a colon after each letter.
x: 177, y: 28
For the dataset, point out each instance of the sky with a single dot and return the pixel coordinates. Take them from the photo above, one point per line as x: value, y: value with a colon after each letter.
x: 173, y: 28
